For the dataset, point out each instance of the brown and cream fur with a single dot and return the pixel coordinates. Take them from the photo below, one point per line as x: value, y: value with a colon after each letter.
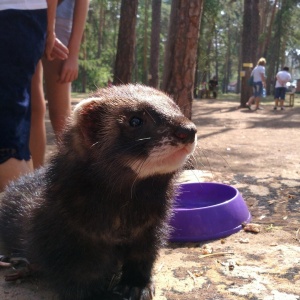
x: 99, y: 209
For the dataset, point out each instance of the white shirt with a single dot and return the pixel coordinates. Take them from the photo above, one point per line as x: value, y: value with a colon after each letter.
x: 23, y: 4
x: 257, y: 72
x: 283, y: 77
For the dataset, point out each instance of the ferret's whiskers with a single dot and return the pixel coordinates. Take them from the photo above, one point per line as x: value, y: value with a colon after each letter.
x: 94, y: 144
x: 143, y: 139
x: 139, y: 168
x: 205, y: 151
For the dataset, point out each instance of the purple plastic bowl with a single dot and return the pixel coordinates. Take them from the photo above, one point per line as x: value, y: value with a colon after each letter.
x: 205, y: 211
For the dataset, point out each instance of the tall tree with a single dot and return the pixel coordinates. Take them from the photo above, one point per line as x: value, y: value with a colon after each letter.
x: 279, y: 41
x: 282, y: 29
x: 267, y: 14
x: 101, y: 14
x: 126, y: 42
x: 146, y: 37
x: 82, y: 67
x: 249, y: 44
x: 181, y: 52
x: 155, y: 35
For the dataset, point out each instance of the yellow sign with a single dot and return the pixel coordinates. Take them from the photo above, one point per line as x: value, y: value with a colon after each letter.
x: 249, y: 65
x: 242, y: 73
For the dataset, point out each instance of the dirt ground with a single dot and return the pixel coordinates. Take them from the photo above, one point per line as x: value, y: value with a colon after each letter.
x: 258, y: 153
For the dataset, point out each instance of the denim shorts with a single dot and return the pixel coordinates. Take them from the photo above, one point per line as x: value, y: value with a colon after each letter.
x: 23, y: 34
x: 258, y: 89
x: 280, y: 93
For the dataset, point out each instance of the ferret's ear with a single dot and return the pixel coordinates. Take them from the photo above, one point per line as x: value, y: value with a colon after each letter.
x: 86, y: 117
x: 83, y: 108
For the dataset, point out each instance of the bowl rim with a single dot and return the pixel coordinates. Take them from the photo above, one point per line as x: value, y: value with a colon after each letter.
x: 237, y: 193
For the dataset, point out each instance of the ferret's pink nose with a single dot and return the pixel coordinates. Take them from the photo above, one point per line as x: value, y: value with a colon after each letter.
x: 186, y: 133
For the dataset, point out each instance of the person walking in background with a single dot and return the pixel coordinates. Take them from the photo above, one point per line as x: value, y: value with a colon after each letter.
x: 250, y: 101
x: 252, y: 97
x: 282, y: 77
x: 58, y: 75
x: 26, y: 31
x: 213, y: 86
x: 259, y: 81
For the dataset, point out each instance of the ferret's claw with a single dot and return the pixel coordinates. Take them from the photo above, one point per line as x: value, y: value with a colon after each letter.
x: 19, y: 264
x: 5, y: 261
x: 5, y: 264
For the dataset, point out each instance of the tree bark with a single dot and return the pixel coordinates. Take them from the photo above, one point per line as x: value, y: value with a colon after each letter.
x: 266, y: 41
x: 181, y: 52
x: 155, y: 37
x: 100, y: 29
x: 145, y: 48
x: 249, y: 45
x: 126, y: 42
x: 83, y: 68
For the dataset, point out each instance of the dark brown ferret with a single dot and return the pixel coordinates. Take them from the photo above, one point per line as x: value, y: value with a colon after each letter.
x: 99, y: 210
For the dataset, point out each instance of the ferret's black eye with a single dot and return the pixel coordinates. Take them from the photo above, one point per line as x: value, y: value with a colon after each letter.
x: 135, y: 122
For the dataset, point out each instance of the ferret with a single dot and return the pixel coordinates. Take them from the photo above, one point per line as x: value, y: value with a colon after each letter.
x: 93, y: 220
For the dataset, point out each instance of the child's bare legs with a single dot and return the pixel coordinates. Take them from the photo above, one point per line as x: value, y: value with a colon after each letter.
x: 276, y: 103
x: 251, y: 99
x: 59, y: 102
x: 58, y: 95
x: 257, y: 101
x: 250, y: 102
x: 281, y: 103
x: 12, y: 169
x: 38, y: 110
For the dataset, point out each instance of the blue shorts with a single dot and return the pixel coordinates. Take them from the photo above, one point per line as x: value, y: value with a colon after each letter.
x: 23, y: 34
x: 258, y: 89
x: 280, y: 93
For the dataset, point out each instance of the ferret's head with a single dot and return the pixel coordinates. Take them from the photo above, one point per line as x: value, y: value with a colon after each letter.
x: 133, y: 128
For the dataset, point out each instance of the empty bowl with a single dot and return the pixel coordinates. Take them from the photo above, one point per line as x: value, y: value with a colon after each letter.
x: 205, y: 211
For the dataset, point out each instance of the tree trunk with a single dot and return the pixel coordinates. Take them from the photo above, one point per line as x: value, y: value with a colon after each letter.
x: 101, y: 29
x: 249, y: 45
x: 255, y: 25
x: 181, y: 52
x: 267, y: 40
x: 83, y: 71
x: 145, y: 48
x: 126, y: 42
x: 216, y: 47
x: 155, y: 37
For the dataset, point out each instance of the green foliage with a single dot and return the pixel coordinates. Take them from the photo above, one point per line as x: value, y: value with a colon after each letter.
x: 143, y: 31
x: 219, y: 43
x: 98, y: 49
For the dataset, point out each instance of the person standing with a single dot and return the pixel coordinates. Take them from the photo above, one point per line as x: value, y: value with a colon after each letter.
x: 259, y: 81
x: 58, y: 75
x: 26, y: 31
x: 213, y: 86
x: 282, y: 77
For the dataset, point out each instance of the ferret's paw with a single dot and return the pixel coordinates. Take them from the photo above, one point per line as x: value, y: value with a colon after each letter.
x: 136, y: 293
